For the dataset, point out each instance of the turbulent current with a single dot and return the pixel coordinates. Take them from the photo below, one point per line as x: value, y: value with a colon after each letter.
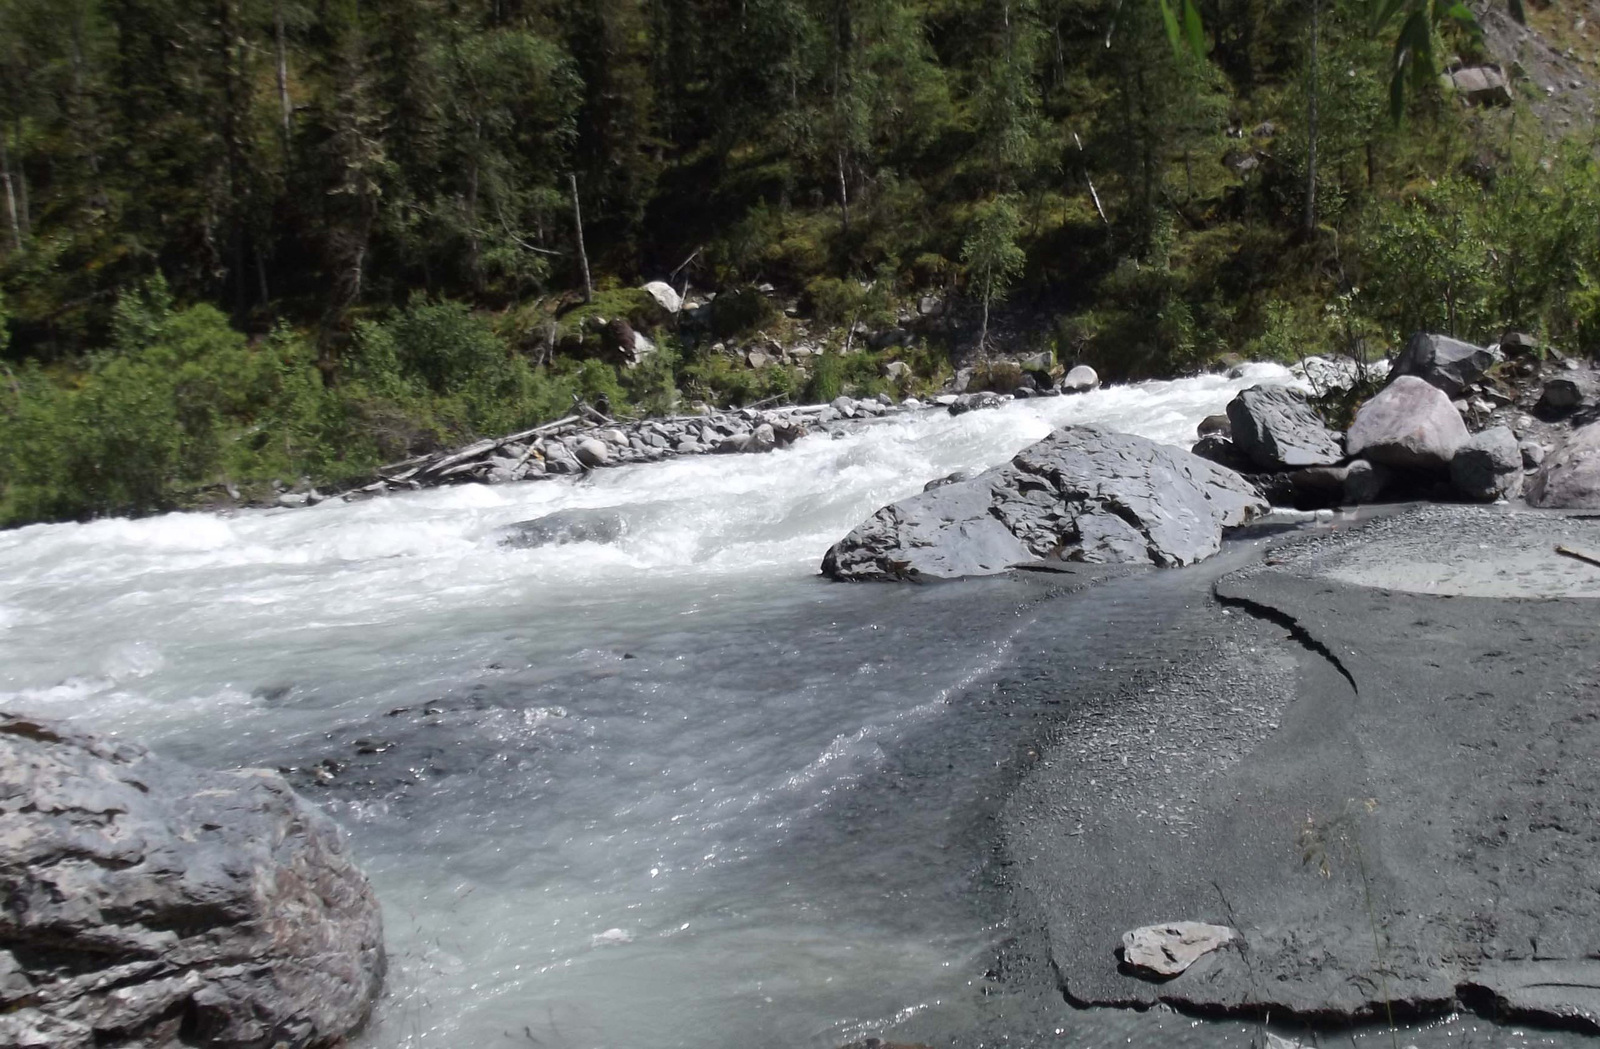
x: 674, y: 790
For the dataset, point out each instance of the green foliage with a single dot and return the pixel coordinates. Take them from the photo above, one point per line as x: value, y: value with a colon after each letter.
x: 722, y: 381
x: 147, y: 419
x: 992, y: 255
x: 845, y: 303
x: 741, y: 311
x: 827, y: 379
x: 379, y: 257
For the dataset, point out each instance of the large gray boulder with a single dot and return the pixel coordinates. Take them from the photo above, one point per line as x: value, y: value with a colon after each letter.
x: 1277, y: 429
x: 1408, y: 425
x: 1570, y: 475
x: 1081, y: 494
x: 147, y: 904
x: 1449, y: 364
x: 591, y: 452
x: 1481, y: 85
x: 1488, y: 466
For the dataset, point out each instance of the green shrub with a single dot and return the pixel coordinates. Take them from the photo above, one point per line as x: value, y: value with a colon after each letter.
x: 835, y: 301
x: 827, y: 379
x: 146, y: 421
x: 740, y: 312
x: 723, y: 381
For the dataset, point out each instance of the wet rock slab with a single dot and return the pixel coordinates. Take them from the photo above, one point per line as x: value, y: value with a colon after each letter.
x: 1414, y: 832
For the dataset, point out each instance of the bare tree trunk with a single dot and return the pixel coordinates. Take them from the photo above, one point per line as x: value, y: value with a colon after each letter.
x: 1311, y: 124
x: 11, y: 195
x: 285, y: 107
x: 577, y: 225
x: 983, y: 333
x: 1094, y: 195
x: 844, y: 195
x: 474, y: 247
x: 25, y: 215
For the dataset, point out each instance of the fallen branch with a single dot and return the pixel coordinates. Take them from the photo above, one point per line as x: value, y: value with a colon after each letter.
x: 1578, y: 555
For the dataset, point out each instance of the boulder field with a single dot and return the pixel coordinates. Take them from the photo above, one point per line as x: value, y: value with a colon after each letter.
x: 1087, y: 495
x: 1454, y: 422
x: 148, y: 905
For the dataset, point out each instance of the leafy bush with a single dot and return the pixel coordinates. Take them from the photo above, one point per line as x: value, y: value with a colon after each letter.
x: 827, y: 379
x: 145, y: 421
x: 740, y: 312
x: 722, y: 381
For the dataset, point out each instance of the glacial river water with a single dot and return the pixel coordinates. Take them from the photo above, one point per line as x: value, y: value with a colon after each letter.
x: 676, y: 791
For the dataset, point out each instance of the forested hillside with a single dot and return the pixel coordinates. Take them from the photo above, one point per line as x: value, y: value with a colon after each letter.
x: 258, y: 240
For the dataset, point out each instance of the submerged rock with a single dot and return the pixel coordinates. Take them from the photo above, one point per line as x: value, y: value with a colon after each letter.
x: 149, y: 904
x: 975, y: 402
x: 1277, y: 429
x: 1081, y: 494
x: 585, y: 525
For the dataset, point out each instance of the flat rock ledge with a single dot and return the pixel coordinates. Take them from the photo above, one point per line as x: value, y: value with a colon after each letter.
x: 147, y: 905
x: 1409, y: 835
x: 1081, y: 494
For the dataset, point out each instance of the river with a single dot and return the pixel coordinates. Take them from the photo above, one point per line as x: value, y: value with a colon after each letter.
x: 668, y: 792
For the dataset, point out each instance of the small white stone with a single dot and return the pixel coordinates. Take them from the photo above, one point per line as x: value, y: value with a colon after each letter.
x: 1169, y: 949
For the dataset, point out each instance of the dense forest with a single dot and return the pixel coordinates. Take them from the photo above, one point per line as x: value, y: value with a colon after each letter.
x: 257, y: 241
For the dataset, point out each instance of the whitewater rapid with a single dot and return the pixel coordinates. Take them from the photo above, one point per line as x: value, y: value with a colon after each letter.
x: 144, y: 624
x: 671, y: 791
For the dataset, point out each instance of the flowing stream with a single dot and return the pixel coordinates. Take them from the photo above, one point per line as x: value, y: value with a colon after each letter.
x: 670, y: 791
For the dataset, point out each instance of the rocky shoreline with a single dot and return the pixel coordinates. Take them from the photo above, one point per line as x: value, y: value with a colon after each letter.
x: 589, y: 440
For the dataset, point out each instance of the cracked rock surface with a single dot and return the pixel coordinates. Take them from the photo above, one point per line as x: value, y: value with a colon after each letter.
x: 147, y: 904
x: 1419, y: 835
x: 1081, y: 494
